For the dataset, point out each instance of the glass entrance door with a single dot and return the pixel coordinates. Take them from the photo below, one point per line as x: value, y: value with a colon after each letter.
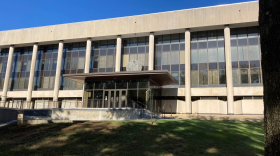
x: 114, y: 98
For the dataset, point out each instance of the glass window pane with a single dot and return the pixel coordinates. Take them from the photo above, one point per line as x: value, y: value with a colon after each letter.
x: 133, y: 50
x: 213, y: 77
x: 95, y: 63
x: 243, y: 53
x: 212, y: 55
x: 132, y: 57
x: 212, y: 44
x: 194, y: 58
x: 74, y: 63
x: 203, y: 66
x: 222, y: 76
x: 244, y: 76
x: 166, y: 48
x: 221, y: 54
x: 102, y: 62
x: 182, y: 77
x: 174, y: 47
x: 158, y: 58
x: 253, y: 41
x: 254, y: 52
x: 194, y: 77
x: 203, y: 77
x: 141, y: 49
x: 254, y: 64
x: 81, y: 64
x: 175, y: 57
x: 202, y: 55
x: 235, y: 76
x: 243, y: 64
x: 255, y: 75
x: 165, y: 58
x: 45, y: 82
x: 110, y: 61
x: 51, y: 82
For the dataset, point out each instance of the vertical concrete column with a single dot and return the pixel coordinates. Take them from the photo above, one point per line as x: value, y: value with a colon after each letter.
x: 228, y: 71
x: 151, y: 51
x: 58, y: 71
x: 118, y: 54
x: 7, y: 76
x: 88, y: 51
x: 32, y: 73
x: 188, y: 71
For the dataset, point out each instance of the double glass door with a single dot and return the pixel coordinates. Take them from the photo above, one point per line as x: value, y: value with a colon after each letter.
x: 114, y: 98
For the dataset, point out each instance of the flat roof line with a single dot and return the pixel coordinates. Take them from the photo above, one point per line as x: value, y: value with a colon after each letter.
x: 135, y: 15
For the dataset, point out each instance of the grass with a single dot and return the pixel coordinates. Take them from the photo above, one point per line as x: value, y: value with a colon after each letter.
x: 165, y: 137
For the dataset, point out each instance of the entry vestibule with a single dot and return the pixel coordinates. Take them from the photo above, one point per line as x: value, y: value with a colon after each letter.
x: 130, y: 89
x: 119, y: 93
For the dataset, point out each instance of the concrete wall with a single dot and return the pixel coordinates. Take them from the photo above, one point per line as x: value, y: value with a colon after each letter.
x: 248, y: 107
x: 237, y: 107
x: 209, y: 107
x: 252, y: 107
x: 248, y: 91
x: 7, y: 114
x: 141, y: 25
x: 83, y: 114
x: 214, y: 91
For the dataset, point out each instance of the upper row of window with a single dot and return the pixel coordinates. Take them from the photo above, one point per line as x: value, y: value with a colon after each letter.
x: 207, y: 59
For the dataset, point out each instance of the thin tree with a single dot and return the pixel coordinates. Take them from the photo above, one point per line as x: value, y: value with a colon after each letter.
x: 269, y: 22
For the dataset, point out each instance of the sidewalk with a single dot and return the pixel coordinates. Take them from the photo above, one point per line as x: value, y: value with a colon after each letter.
x: 216, y: 117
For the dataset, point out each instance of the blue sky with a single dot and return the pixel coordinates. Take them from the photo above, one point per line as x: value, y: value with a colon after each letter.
x: 17, y: 14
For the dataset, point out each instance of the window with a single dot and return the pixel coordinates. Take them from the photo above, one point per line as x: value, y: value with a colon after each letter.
x: 170, y: 55
x: 207, y: 58
x: 45, y: 68
x: 3, y: 65
x: 135, y: 49
x: 73, y: 61
x: 20, y: 68
x: 103, y: 54
x: 245, y: 56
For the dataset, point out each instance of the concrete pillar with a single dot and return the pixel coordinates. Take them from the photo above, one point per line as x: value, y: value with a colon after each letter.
x: 188, y: 71
x: 58, y: 71
x: 88, y: 51
x: 7, y: 76
x: 32, y: 73
x: 228, y: 71
x: 118, y: 54
x: 151, y: 50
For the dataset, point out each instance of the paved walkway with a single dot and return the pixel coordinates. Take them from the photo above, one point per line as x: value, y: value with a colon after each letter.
x: 216, y: 117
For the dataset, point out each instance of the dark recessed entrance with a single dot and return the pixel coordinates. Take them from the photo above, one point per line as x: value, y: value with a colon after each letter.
x: 123, y: 89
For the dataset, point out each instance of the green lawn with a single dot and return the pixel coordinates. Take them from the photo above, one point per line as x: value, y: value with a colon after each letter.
x: 165, y: 137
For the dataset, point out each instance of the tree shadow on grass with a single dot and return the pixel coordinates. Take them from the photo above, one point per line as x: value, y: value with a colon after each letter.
x: 165, y: 137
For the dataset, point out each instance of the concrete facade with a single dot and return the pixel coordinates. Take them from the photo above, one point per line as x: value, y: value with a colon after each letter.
x: 186, y: 21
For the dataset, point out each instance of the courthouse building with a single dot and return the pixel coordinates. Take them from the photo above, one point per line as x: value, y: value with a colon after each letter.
x: 196, y: 61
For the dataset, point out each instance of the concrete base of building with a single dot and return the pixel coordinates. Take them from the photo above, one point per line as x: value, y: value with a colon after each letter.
x: 219, y: 107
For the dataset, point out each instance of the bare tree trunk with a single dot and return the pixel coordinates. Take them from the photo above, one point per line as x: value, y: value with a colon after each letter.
x: 269, y: 21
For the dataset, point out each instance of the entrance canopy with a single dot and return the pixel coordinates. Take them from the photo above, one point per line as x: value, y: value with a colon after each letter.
x: 161, y: 77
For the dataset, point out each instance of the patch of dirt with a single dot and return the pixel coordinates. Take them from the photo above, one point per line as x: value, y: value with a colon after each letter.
x: 212, y: 150
x: 97, y: 127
